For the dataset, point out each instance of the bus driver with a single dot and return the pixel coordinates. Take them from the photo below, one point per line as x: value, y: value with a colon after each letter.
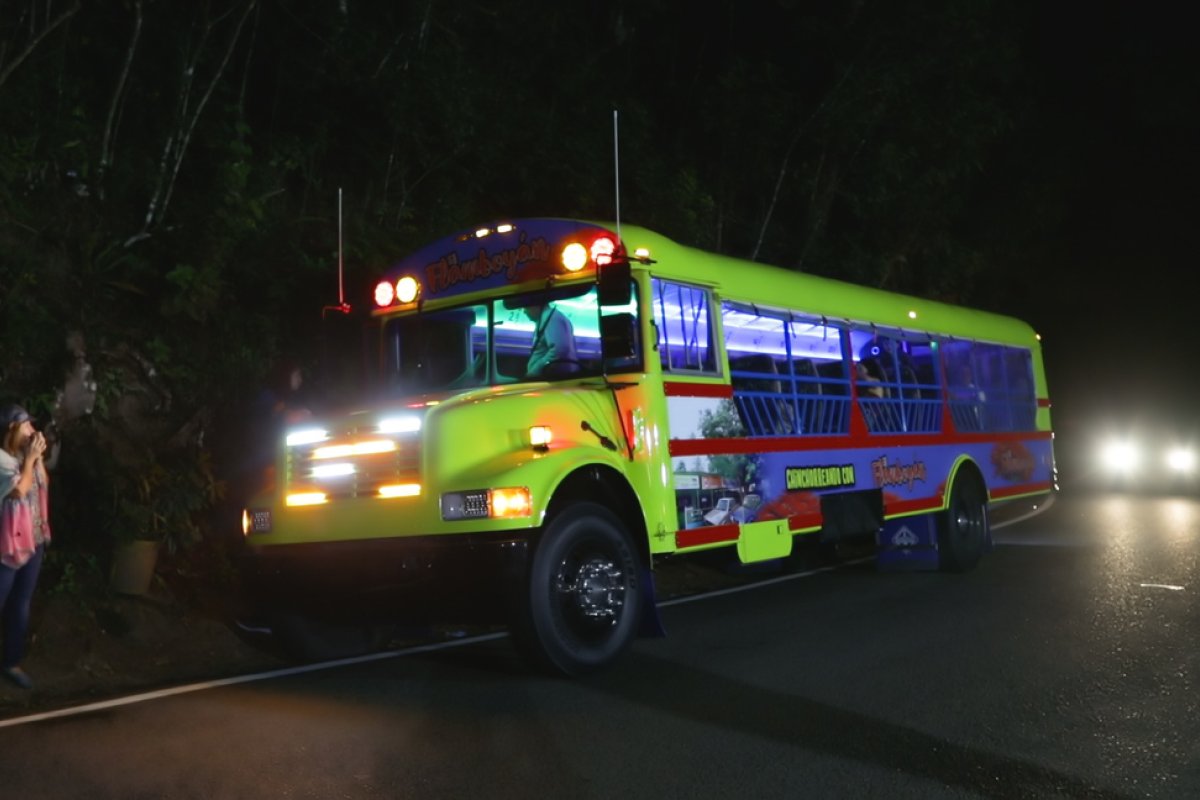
x: 553, y: 349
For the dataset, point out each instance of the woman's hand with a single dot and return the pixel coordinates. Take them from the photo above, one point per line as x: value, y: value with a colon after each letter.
x: 37, y: 445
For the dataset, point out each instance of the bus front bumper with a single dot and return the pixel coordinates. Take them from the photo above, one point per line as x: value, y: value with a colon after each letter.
x: 460, y: 578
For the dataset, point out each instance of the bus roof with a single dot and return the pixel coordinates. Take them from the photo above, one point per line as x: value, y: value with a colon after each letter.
x: 768, y: 287
x: 519, y: 251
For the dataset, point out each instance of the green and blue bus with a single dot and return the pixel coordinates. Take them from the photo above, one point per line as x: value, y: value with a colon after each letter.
x: 458, y: 483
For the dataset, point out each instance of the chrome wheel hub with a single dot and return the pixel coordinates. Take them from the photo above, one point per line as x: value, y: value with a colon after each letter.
x: 596, y: 589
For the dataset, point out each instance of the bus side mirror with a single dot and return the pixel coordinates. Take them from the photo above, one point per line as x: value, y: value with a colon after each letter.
x: 614, y: 287
x: 618, y: 336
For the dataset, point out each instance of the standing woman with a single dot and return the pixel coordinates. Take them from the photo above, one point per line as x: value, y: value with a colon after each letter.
x: 24, y: 532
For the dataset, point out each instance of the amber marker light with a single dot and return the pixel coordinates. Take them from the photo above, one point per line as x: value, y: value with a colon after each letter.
x: 407, y: 289
x: 540, y: 437
x: 400, y: 490
x: 306, y: 499
x: 513, y: 502
x: 574, y: 257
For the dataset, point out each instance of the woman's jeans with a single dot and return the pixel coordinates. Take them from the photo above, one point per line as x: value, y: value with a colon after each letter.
x: 16, y: 597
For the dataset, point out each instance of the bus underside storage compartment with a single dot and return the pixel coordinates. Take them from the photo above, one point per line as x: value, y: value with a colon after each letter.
x: 849, y: 515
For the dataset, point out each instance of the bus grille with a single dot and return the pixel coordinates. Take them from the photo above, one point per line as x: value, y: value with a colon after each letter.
x: 353, y: 475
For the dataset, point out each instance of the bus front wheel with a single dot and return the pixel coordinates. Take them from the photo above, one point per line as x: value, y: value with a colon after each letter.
x: 963, y: 526
x: 584, y: 597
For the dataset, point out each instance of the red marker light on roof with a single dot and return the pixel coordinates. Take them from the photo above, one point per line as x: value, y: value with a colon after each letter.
x: 602, y: 250
x: 384, y: 294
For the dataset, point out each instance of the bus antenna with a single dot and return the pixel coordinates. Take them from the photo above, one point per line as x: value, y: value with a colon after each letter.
x: 342, y: 307
x: 617, y: 173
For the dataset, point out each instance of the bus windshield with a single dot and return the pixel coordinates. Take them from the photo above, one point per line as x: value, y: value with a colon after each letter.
x: 548, y: 335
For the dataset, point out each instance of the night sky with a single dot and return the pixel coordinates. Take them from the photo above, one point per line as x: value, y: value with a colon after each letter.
x: 1114, y: 146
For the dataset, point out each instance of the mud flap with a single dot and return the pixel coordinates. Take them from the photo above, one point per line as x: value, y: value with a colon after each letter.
x: 651, y: 626
x: 908, y: 544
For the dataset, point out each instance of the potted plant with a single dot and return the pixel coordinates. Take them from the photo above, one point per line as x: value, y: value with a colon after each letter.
x: 159, y: 506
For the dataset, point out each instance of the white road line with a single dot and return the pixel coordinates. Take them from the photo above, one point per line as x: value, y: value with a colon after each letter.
x: 425, y: 648
x: 258, y: 676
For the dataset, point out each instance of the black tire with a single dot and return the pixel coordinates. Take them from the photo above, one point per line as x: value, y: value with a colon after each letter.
x: 584, y: 598
x: 963, y: 526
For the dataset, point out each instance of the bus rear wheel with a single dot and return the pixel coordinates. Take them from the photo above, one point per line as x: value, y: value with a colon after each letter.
x: 583, y: 601
x: 963, y: 526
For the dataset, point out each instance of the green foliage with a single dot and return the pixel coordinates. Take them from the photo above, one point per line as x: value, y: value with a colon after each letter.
x: 165, y: 500
x: 70, y: 572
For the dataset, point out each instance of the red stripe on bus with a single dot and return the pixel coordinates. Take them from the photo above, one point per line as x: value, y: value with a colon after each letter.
x: 781, y: 444
x: 894, y: 508
x: 694, y: 537
x: 802, y: 521
x: 679, y: 389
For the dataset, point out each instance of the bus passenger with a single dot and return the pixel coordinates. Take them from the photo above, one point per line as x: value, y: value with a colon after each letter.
x: 870, y: 381
x: 553, y: 352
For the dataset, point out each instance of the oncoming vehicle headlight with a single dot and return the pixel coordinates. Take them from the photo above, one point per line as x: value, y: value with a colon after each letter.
x: 1181, y: 459
x: 1120, y: 456
x: 484, y: 503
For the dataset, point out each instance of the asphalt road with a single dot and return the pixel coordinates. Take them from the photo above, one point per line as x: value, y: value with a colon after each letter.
x: 1064, y: 666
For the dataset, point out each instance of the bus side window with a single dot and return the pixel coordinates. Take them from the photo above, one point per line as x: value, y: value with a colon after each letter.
x: 759, y: 395
x: 682, y: 318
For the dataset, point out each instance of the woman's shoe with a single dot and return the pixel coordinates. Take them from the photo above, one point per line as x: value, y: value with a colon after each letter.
x: 19, y: 677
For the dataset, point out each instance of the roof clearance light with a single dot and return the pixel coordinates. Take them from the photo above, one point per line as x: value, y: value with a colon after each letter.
x: 482, y: 232
x: 574, y: 257
x: 505, y: 228
x: 912, y: 315
x: 384, y: 294
x: 602, y: 250
x: 407, y: 289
